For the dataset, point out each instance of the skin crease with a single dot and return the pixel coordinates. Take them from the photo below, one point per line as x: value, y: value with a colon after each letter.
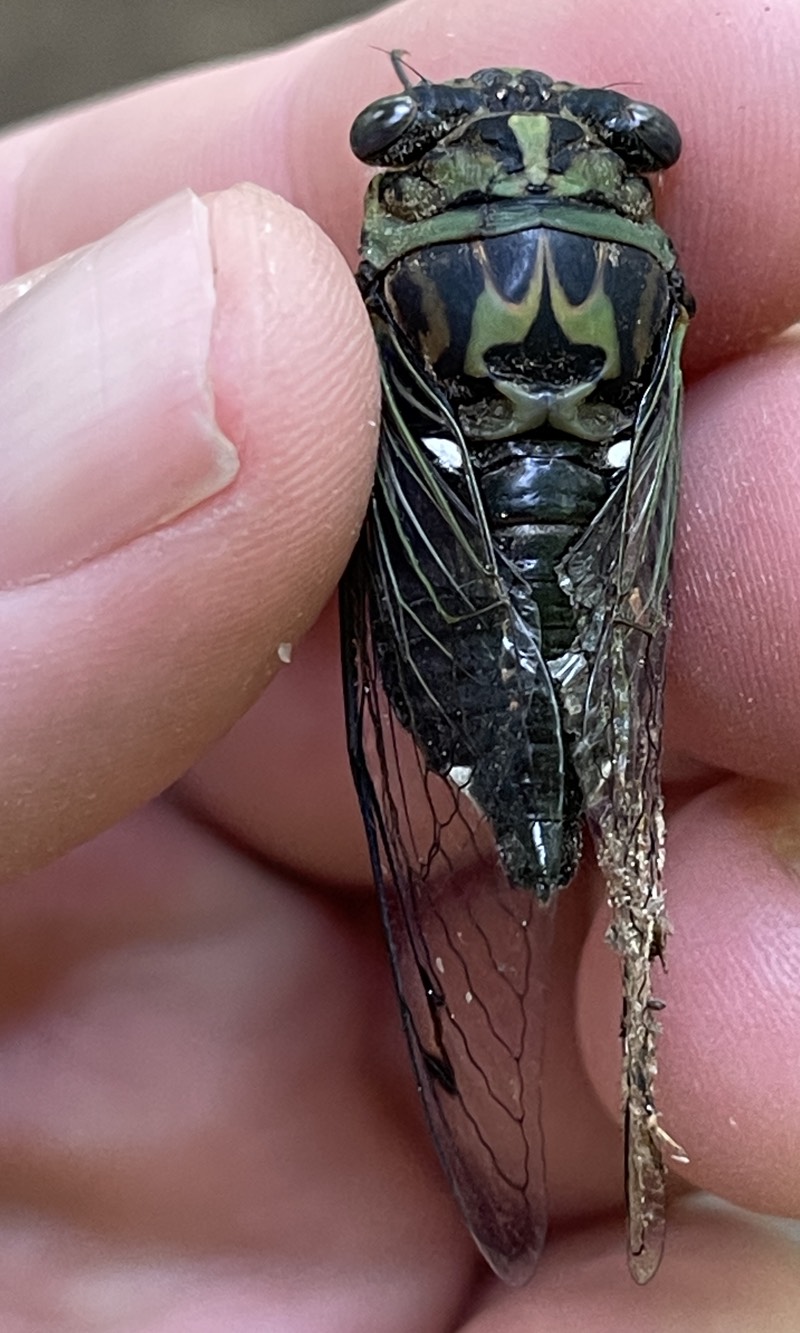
x: 207, y: 1117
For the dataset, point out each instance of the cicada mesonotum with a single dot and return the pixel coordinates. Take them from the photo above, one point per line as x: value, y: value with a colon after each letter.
x: 506, y: 609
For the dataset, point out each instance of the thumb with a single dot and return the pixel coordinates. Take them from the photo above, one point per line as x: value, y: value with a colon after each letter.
x: 186, y: 454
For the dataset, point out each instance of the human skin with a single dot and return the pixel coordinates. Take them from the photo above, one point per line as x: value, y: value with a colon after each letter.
x: 207, y: 1117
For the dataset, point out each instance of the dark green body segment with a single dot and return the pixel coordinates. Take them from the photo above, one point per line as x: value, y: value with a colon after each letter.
x: 396, y: 236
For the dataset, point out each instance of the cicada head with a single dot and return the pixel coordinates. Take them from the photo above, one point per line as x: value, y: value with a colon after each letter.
x: 510, y: 134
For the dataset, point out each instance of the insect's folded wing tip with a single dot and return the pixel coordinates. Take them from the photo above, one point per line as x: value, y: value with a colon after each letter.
x: 643, y: 1263
x: 518, y: 1268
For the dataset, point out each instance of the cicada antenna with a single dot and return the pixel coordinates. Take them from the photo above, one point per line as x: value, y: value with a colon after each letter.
x: 401, y: 66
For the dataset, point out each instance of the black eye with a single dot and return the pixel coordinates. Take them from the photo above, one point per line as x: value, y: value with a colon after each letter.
x: 378, y: 127
x: 647, y: 138
x: 644, y: 136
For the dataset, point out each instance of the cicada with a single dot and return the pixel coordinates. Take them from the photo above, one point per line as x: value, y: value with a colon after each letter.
x: 505, y: 613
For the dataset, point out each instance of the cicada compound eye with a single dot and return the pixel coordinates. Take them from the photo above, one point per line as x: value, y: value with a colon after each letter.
x: 380, y: 126
x: 645, y: 136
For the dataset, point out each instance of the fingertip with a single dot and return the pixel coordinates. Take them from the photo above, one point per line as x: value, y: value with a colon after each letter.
x: 120, y: 671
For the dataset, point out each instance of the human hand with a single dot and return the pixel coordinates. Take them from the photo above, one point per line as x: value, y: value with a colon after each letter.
x: 208, y: 1120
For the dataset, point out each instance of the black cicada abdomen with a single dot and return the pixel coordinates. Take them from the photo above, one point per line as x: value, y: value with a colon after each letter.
x: 505, y: 612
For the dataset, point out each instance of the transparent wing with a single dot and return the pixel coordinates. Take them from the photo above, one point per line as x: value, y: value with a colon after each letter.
x: 617, y: 577
x: 437, y: 648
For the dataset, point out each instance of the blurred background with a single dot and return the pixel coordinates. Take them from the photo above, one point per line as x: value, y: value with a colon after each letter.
x: 57, y: 51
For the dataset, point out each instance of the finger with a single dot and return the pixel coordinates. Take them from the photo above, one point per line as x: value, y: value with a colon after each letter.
x: 202, y: 1060
x: 280, y: 782
x: 729, y: 78
x: 722, y: 1269
x: 136, y: 375
x: 734, y: 686
x: 727, y: 1088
